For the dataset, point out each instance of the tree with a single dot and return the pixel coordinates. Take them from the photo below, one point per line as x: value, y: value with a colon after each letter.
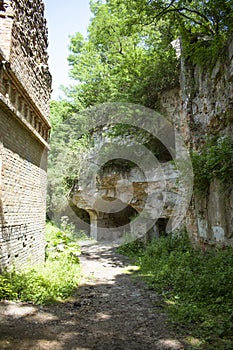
x: 118, y: 63
x: 209, y: 16
x: 59, y: 112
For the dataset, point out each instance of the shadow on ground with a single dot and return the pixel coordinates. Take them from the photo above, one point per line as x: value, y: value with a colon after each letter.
x: 109, y: 311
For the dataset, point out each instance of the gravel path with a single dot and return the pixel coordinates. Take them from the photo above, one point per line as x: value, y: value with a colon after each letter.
x: 110, y: 311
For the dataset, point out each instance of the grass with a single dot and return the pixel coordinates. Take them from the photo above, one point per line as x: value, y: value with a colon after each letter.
x: 52, y: 281
x: 197, y: 288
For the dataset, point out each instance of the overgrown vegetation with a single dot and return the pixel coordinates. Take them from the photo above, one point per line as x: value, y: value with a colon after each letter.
x: 215, y: 160
x: 196, y: 287
x: 54, y: 280
x: 203, y: 25
x: 127, y: 56
x: 132, y: 249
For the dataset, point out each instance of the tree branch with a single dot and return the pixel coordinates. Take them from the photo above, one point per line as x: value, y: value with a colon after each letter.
x: 181, y: 10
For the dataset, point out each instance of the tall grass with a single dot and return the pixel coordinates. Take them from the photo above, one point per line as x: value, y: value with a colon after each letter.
x: 197, y: 288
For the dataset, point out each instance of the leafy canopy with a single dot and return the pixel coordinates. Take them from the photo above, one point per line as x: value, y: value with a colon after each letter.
x: 118, y: 62
x: 127, y: 55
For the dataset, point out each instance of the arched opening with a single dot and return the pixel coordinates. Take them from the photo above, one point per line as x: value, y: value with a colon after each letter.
x: 159, y: 229
x: 161, y: 226
x: 80, y: 218
x: 117, y: 219
x: 118, y: 216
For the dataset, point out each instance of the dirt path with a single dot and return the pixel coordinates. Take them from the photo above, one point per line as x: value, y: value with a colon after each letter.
x: 110, y: 311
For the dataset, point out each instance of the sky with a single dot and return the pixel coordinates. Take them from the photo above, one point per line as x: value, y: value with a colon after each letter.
x: 64, y: 18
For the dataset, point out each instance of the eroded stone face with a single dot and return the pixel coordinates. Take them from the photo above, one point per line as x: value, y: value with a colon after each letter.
x: 204, y: 107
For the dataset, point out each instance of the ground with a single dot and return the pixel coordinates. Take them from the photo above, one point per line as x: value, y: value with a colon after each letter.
x: 110, y: 311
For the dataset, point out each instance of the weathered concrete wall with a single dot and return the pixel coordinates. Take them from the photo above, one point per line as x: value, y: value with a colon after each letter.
x: 115, y: 196
x: 210, y: 111
x: 25, y: 87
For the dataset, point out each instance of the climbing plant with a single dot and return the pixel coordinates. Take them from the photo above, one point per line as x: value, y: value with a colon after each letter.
x: 215, y: 160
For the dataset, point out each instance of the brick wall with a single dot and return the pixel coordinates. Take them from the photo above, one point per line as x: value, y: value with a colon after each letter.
x: 24, y: 41
x: 23, y: 187
x: 6, y: 22
x: 25, y: 86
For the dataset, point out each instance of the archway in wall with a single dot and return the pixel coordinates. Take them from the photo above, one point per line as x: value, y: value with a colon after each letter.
x: 80, y: 218
x: 117, y: 217
x: 158, y: 229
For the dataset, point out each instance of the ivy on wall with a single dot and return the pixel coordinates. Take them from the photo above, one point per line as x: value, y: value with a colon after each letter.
x: 215, y: 160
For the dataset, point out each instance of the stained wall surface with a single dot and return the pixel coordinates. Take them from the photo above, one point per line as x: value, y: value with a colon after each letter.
x: 25, y: 87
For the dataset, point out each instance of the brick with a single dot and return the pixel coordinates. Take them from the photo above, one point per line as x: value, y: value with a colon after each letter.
x: 25, y: 87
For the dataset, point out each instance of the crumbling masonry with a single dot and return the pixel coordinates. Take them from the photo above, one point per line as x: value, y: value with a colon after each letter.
x: 25, y: 87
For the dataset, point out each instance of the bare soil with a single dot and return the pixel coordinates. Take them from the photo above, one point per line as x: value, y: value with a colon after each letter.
x: 110, y: 310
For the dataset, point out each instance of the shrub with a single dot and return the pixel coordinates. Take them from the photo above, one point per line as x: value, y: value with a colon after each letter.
x: 53, y: 281
x: 215, y: 160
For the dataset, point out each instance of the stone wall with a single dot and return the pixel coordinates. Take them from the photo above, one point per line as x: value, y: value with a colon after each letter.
x: 204, y: 106
x: 25, y: 87
x: 116, y: 196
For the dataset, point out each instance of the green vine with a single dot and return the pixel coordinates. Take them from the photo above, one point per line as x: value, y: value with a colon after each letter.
x: 215, y: 160
x: 203, y: 50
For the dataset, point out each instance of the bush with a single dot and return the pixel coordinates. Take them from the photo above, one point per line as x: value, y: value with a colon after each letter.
x: 214, y: 161
x: 131, y: 249
x: 53, y: 281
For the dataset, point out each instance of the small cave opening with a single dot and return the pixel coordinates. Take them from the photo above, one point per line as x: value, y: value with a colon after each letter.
x: 161, y: 152
x: 161, y: 225
x: 159, y: 228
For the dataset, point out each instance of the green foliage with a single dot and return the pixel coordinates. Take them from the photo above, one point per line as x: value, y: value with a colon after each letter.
x: 59, y: 112
x: 53, y: 281
x: 196, y: 287
x: 61, y: 242
x: 131, y: 249
x: 127, y: 55
x: 203, y: 25
x: 204, y: 51
x: 208, y: 16
x: 66, y: 159
x: 118, y: 63
x: 215, y: 160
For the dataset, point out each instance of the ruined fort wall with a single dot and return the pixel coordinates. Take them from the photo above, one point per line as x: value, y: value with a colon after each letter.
x: 24, y: 41
x: 209, y: 110
x: 25, y: 87
x: 23, y: 189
